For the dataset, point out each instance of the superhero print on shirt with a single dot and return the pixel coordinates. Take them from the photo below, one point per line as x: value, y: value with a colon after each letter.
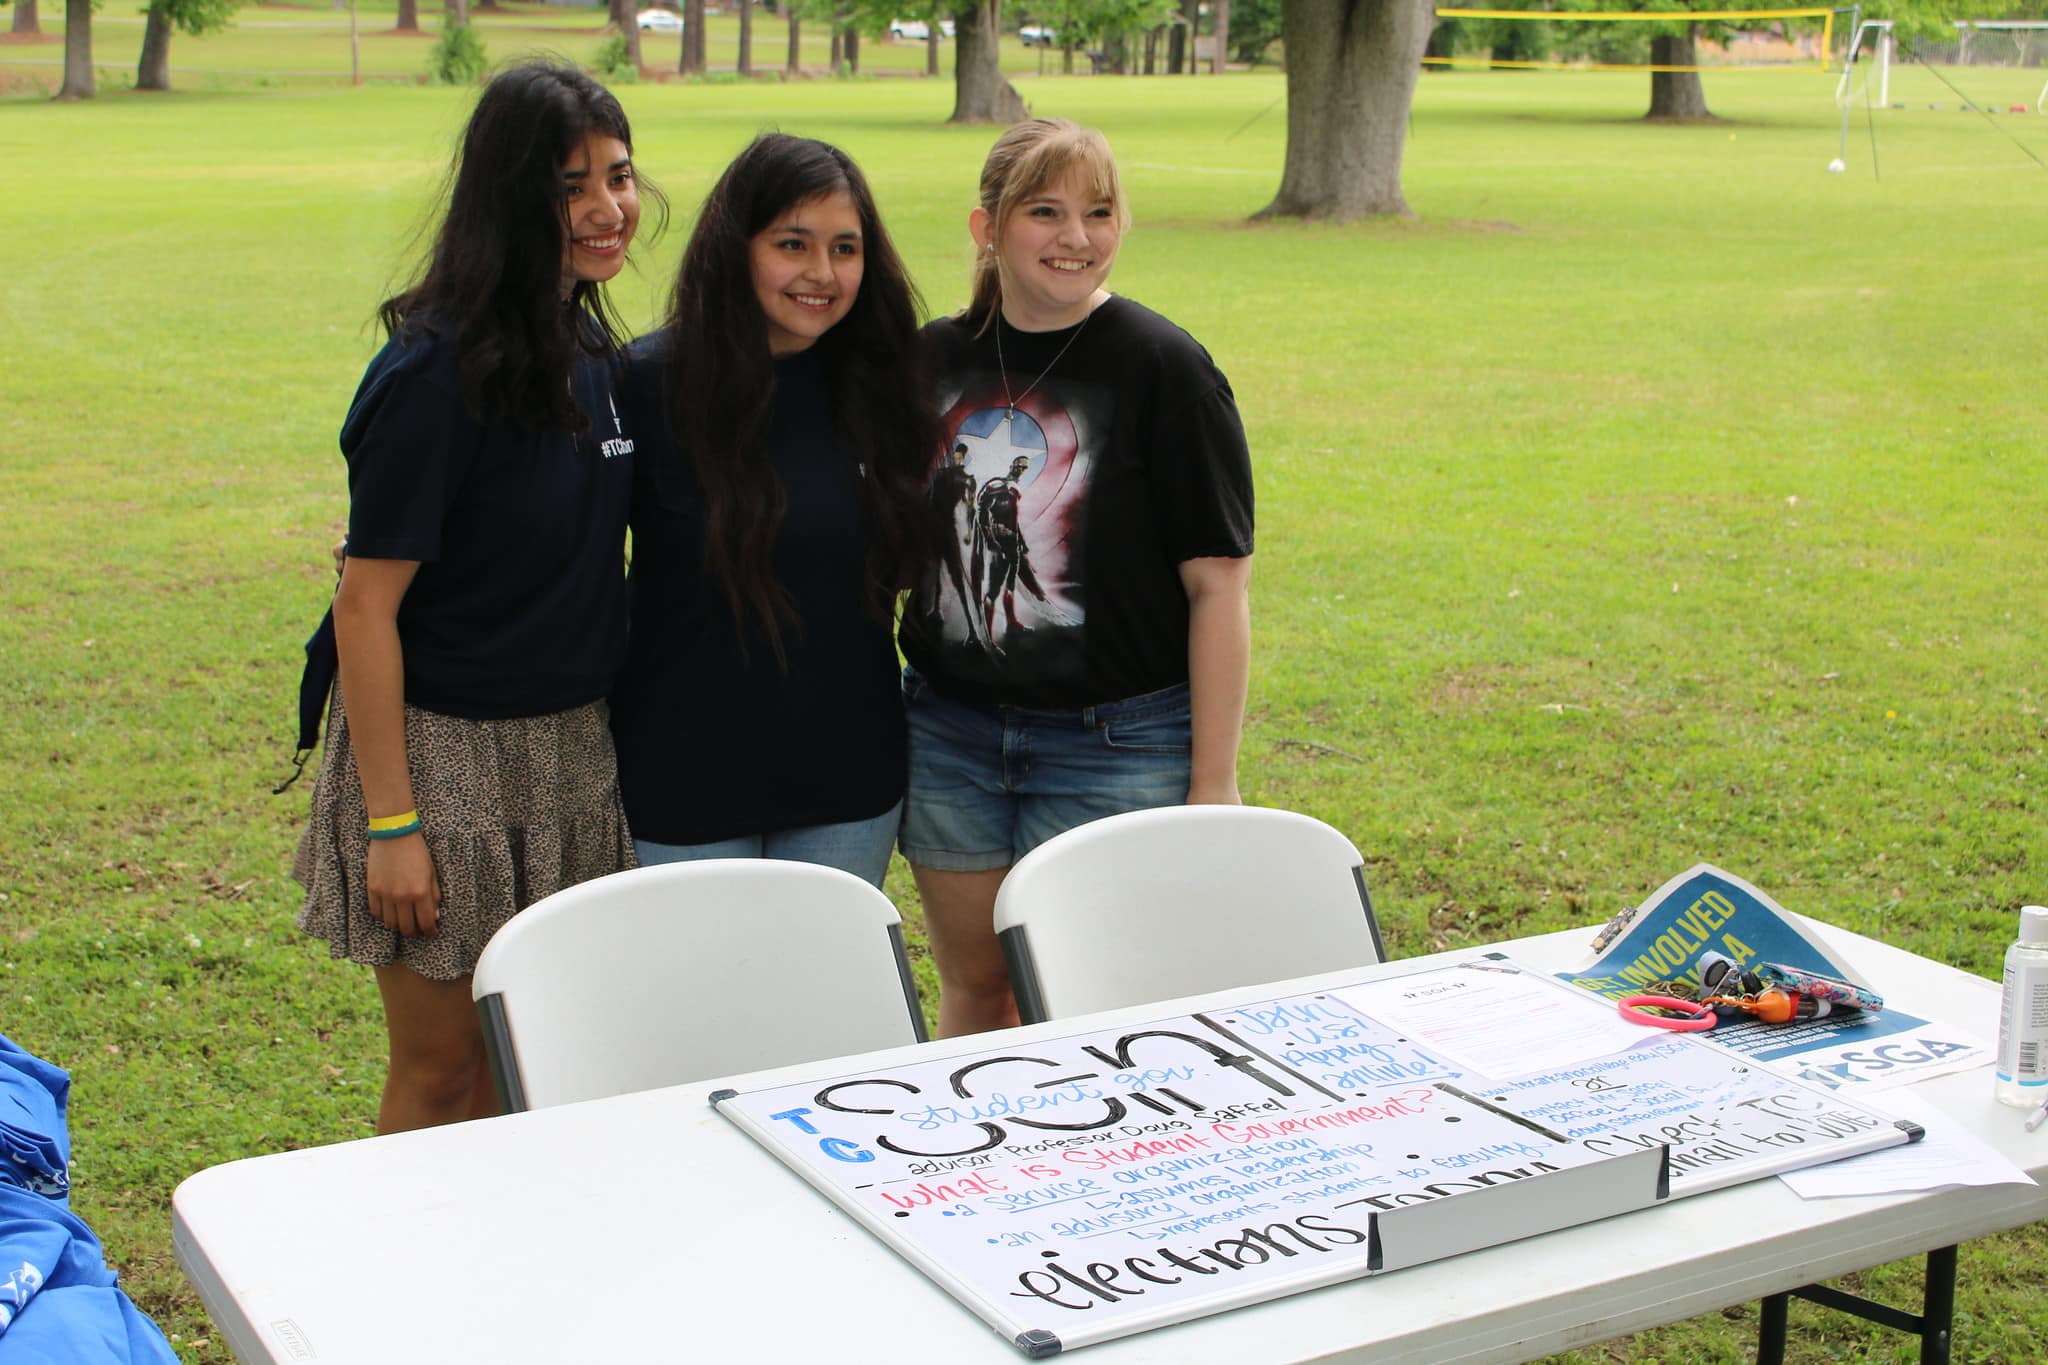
x: 1012, y: 484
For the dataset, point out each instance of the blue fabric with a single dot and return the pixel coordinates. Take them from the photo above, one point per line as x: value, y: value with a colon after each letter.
x: 34, y: 1149
x: 59, y: 1301
x: 86, y: 1325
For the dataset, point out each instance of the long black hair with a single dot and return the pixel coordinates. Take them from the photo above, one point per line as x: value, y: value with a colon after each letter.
x: 721, y: 385
x: 492, y: 282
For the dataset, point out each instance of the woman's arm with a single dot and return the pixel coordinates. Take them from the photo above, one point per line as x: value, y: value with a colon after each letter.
x: 1219, y: 670
x: 404, y: 893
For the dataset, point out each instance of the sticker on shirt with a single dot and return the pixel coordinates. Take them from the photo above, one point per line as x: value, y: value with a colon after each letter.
x: 1012, y: 484
x: 619, y: 443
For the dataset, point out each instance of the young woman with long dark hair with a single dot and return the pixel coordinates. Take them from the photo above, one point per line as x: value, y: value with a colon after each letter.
x: 778, y: 511
x: 1082, y: 647
x: 481, y: 614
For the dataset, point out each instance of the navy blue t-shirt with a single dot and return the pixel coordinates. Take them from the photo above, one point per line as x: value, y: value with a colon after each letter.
x: 519, y: 605
x: 715, y: 747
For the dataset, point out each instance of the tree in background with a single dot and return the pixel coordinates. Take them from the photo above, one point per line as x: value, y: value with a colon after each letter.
x: 408, y: 17
x: 1254, y: 27
x: 25, y: 18
x: 692, y: 63
x: 1351, y: 70
x: 980, y: 94
x: 874, y: 18
x: 161, y: 19
x: 625, y: 17
x: 746, y: 55
x: 78, y: 75
x: 1119, y: 23
x: 455, y: 12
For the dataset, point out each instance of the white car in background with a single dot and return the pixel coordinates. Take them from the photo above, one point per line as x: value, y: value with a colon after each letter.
x: 660, y: 21
x: 917, y: 30
x: 1035, y: 36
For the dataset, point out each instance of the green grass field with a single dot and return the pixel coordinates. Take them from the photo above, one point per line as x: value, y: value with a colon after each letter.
x: 1654, y: 496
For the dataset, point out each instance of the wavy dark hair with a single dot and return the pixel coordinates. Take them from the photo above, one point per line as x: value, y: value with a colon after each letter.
x: 720, y: 387
x: 492, y: 282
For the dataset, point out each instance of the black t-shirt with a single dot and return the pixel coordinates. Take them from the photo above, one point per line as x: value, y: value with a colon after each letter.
x: 715, y: 747
x: 1060, y: 583
x: 519, y: 605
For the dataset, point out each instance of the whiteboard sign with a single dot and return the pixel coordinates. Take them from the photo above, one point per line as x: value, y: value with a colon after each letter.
x: 1077, y: 1189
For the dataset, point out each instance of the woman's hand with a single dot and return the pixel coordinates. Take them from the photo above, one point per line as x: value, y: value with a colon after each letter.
x: 405, y: 895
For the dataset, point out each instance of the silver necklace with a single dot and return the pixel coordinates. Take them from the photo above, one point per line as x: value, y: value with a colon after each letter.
x: 1009, y: 403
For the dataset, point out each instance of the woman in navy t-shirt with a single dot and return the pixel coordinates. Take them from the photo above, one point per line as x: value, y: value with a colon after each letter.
x: 481, y: 615
x: 778, y: 509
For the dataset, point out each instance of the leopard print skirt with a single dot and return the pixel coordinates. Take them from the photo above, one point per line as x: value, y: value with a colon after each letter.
x: 514, y: 810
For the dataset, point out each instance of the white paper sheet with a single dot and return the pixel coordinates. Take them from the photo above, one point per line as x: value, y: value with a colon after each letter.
x: 1948, y: 1155
x: 1493, y: 1018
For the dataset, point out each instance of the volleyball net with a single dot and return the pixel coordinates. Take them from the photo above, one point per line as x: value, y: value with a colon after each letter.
x: 1622, y: 40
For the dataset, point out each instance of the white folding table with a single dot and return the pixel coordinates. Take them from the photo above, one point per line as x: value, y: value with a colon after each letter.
x: 648, y: 1227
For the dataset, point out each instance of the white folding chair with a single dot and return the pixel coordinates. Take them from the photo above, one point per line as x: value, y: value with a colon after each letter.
x: 685, y: 971
x: 1177, y: 901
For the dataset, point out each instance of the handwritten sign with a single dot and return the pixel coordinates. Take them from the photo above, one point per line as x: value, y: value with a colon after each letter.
x: 1076, y: 1189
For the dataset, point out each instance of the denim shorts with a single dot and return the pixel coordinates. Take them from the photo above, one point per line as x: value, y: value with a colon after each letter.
x: 990, y: 783
x: 857, y: 846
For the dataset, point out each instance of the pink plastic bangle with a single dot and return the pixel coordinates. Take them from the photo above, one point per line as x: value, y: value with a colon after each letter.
x: 1703, y: 1016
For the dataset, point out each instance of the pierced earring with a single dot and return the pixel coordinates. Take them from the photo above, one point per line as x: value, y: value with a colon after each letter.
x: 990, y: 247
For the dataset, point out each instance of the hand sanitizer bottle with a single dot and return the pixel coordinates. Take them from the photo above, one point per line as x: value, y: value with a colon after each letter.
x: 2022, y: 1069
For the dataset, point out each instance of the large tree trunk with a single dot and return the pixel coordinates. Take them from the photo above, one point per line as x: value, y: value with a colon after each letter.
x: 931, y: 48
x: 78, y: 75
x: 153, y: 72
x: 692, y: 63
x: 25, y: 19
x: 794, y: 65
x: 1219, y: 20
x: 852, y: 50
x: 1351, y: 71
x: 746, y: 64
x: 457, y: 13
x: 1676, y: 94
x: 408, y: 16
x: 980, y: 94
x: 1176, y: 48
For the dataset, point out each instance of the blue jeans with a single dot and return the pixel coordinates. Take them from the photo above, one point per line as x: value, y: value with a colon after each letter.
x: 990, y: 783
x: 857, y: 846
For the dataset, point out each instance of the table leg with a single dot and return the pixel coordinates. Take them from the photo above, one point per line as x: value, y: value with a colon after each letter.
x: 1939, y: 1310
x: 1770, y: 1336
x: 1934, y: 1324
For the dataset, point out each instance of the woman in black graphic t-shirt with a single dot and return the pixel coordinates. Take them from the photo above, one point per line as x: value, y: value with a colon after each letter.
x: 1080, y: 647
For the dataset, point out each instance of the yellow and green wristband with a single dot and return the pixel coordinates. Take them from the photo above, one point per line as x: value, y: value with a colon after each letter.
x: 394, y: 826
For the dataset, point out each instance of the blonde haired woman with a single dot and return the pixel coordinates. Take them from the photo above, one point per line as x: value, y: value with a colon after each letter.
x: 1097, y: 486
